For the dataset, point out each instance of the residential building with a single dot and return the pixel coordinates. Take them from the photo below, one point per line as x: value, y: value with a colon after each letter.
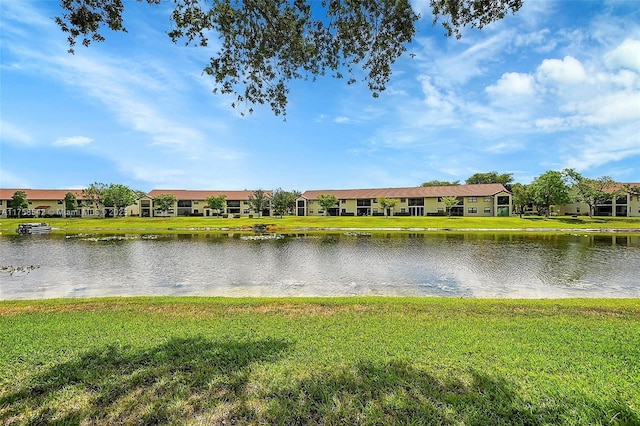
x: 626, y: 203
x: 50, y: 203
x: 42, y: 202
x: 474, y: 200
x: 194, y: 203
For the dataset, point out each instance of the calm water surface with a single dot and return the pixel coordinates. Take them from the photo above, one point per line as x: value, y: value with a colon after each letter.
x: 467, y: 265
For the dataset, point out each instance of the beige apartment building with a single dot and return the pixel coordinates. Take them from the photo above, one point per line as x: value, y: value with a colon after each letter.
x: 50, y: 203
x: 473, y: 200
x: 194, y: 203
x: 627, y: 203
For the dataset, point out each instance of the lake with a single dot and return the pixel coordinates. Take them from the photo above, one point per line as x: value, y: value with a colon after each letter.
x: 341, y: 264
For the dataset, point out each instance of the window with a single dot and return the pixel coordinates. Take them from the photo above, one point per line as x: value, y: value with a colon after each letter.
x: 487, y: 199
x: 184, y: 203
x: 403, y: 200
x: 245, y: 202
x: 577, y: 209
x: 343, y: 201
x: 403, y: 210
x: 233, y: 203
x: 439, y: 199
x: 195, y: 203
x: 473, y: 210
x: 60, y: 201
x: 416, y: 202
x: 487, y: 210
x: 364, y: 203
x: 245, y: 211
x: 472, y: 199
x: 1, y: 202
x: 503, y: 200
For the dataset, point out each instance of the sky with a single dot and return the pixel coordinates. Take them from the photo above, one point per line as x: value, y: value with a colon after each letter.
x: 554, y: 86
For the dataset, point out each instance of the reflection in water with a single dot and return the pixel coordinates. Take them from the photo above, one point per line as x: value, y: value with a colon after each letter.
x: 468, y: 265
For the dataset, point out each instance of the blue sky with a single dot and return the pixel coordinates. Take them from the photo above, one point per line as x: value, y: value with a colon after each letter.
x: 556, y: 85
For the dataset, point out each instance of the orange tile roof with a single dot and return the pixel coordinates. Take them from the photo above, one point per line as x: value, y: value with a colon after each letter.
x: 186, y: 194
x: 418, y: 191
x: 40, y: 194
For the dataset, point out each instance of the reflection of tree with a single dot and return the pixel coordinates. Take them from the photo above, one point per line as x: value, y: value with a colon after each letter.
x: 568, y: 260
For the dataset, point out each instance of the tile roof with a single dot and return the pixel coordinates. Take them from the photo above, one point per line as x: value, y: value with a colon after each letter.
x: 418, y: 191
x: 40, y: 194
x: 186, y: 194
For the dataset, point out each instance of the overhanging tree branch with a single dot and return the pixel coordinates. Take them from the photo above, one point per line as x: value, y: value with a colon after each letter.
x: 267, y: 43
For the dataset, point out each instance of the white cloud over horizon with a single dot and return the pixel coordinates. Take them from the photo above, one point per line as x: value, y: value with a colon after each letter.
x: 72, y: 141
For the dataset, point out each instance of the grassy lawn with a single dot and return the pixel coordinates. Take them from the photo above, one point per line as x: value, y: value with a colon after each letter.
x: 134, y: 224
x: 320, y: 361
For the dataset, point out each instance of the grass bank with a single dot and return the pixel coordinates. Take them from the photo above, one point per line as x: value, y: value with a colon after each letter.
x: 320, y: 361
x: 294, y: 223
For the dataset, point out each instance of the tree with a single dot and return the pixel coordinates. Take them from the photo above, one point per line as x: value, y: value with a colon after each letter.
x: 139, y: 193
x: 522, y: 197
x: 327, y: 201
x: 491, y: 177
x: 119, y: 197
x: 164, y: 202
x: 70, y: 202
x: 441, y: 183
x: 450, y: 202
x: 259, y: 201
x: 217, y: 203
x: 94, y: 194
x: 631, y: 189
x: 591, y: 191
x: 387, y: 203
x: 265, y: 44
x: 19, y: 202
x: 284, y: 201
x: 550, y: 189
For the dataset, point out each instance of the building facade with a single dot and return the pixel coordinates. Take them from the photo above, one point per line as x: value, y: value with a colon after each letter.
x: 626, y: 203
x: 41, y: 203
x: 194, y: 203
x: 473, y: 200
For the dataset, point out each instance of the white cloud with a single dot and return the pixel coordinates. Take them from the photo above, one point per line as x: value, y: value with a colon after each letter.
x: 566, y: 71
x: 626, y: 55
x: 72, y: 141
x: 513, y: 84
x: 342, y: 120
x: 599, y: 148
x: 12, y: 180
x: 11, y: 133
x: 438, y: 108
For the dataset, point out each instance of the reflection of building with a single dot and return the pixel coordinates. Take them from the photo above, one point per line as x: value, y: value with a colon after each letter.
x: 473, y: 200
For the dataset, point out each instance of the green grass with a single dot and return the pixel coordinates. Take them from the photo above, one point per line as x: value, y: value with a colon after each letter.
x: 320, y: 361
x: 197, y: 224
